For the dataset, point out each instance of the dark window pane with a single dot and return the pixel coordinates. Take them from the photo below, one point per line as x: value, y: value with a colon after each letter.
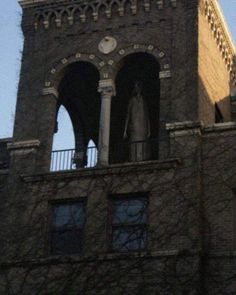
x: 67, y: 228
x: 129, y: 239
x: 68, y: 215
x: 66, y: 242
x: 129, y: 211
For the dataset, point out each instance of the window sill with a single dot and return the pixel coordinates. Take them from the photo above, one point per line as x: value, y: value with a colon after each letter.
x: 79, y: 258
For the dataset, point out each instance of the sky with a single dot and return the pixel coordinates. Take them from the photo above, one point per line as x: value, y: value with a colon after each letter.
x: 11, y: 42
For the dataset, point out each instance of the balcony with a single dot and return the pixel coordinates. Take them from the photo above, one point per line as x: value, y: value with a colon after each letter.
x: 125, y: 152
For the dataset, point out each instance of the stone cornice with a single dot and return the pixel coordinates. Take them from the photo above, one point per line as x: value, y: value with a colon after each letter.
x: 221, y: 35
x: 48, y: 12
x: 36, y: 3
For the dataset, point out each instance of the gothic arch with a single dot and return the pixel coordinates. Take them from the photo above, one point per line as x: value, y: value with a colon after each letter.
x: 77, y: 85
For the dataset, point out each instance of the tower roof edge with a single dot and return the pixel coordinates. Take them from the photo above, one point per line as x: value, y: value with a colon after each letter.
x: 225, y: 28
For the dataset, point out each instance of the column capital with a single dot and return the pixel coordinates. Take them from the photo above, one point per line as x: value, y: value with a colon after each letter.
x: 23, y: 147
x: 107, y: 87
x: 50, y: 91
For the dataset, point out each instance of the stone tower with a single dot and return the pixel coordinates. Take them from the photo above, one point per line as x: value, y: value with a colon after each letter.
x: 150, y: 83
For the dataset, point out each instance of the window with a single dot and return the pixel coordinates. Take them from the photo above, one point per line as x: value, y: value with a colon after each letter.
x: 67, y: 227
x: 218, y: 115
x: 129, y: 223
x: 234, y: 220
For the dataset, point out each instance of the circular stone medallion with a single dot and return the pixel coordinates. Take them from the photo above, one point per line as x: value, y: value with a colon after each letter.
x: 107, y: 45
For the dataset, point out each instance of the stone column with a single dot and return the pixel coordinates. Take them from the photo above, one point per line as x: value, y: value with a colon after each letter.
x: 47, y: 127
x: 107, y: 90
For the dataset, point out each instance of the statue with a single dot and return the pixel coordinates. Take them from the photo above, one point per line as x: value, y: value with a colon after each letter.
x: 137, y: 126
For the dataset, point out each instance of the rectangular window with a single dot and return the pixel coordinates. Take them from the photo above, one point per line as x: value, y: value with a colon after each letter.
x: 218, y: 114
x: 234, y: 220
x: 129, y: 223
x: 67, y: 229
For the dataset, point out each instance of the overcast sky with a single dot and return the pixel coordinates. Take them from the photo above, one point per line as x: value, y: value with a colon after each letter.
x: 10, y: 54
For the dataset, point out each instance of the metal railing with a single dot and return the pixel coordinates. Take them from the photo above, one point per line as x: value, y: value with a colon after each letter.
x: 135, y: 151
x: 125, y: 152
x: 70, y: 159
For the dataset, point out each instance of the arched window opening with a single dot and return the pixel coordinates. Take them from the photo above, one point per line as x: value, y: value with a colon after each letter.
x: 63, y: 140
x: 92, y: 154
x: 135, y: 110
x: 79, y: 96
x: 64, y: 135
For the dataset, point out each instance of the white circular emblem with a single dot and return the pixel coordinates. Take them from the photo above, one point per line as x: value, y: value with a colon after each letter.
x: 107, y: 45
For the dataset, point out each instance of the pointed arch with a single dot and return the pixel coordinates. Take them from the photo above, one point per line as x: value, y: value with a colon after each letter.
x: 77, y: 93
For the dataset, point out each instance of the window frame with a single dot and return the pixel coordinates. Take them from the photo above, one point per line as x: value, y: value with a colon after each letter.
x: 234, y: 219
x: 127, y: 197
x: 219, y: 117
x: 52, y: 229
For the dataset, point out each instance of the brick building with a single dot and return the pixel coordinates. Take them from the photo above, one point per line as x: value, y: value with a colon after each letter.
x: 148, y: 209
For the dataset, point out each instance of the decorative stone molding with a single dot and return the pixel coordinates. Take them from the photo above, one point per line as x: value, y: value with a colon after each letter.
x: 23, y: 147
x: 220, y: 127
x: 58, y: 66
x: 107, y: 68
x: 184, y: 128
x: 151, y: 49
x: 50, y: 91
x: 107, y: 88
x: 49, y: 11
x: 165, y: 74
x: 107, y: 45
x: 221, y: 35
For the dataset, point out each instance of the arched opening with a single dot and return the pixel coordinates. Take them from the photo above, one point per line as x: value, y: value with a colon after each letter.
x: 92, y: 154
x: 79, y: 96
x: 64, y: 135
x: 135, y: 110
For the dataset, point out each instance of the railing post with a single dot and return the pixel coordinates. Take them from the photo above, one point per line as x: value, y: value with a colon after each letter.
x: 107, y: 90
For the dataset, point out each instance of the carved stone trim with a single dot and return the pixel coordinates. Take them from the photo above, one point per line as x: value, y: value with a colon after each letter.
x: 184, y: 128
x: 223, y: 127
x: 49, y: 11
x: 58, y: 66
x: 151, y: 49
x: 107, y: 88
x: 50, y: 91
x: 23, y: 147
x: 221, y: 35
x: 165, y: 74
x: 107, y: 45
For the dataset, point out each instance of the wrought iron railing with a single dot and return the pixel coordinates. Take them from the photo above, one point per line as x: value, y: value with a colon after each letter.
x: 70, y: 159
x: 135, y: 151
x: 126, y: 152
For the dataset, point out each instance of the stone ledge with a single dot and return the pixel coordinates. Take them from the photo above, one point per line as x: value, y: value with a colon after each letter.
x: 32, y: 3
x: 79, y: 258
x: 6, y: 140
x: 220, y: 127
x: 100, y: 171
x: 188, y: 127
x: 177, y: 126
x: 185, y: 128
x: 22, y: 148
x: 220, y: 254
x: 25, y: 144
